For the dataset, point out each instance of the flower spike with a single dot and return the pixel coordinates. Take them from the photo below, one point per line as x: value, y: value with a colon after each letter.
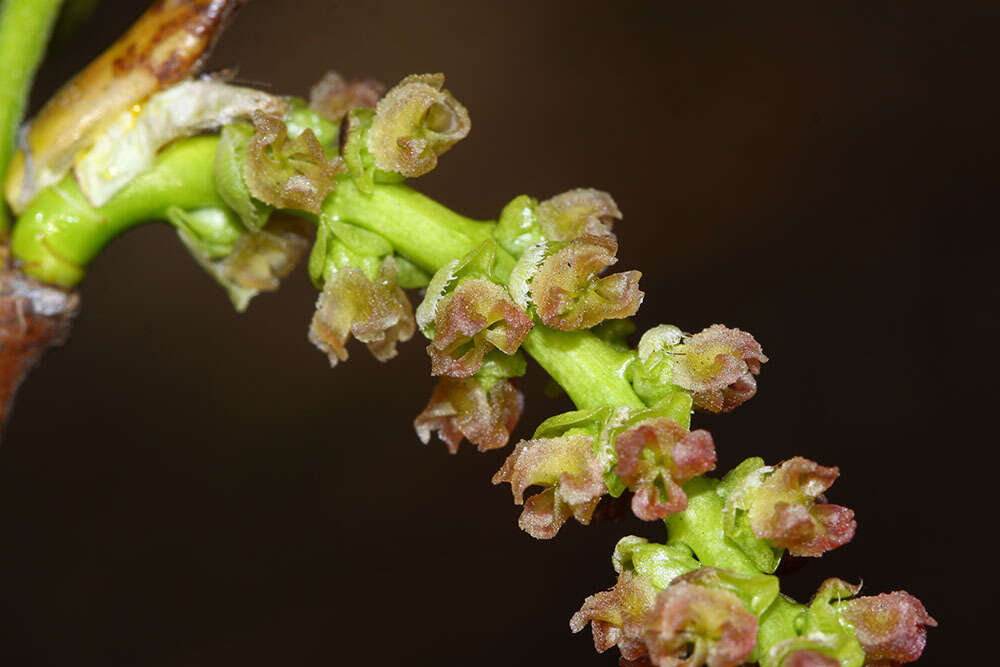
x: 568, y: 294
x: 414, y: 123
x: 571, y: 472
x: 288, y: 173
x: 376, y: 312
x: 655, y: 457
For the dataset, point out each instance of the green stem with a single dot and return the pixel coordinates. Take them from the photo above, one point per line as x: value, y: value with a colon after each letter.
x: 59, y: 234
x: 590, y: 371
x: 25, y: 26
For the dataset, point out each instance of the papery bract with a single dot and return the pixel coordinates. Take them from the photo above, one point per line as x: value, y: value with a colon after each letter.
x: 462, y: 408
x: 288, y: 173
x: 414, y: 123
x: 333, y: 97
x: 691, y: 625
x: 891, y: 627
x: 377, y: 313
x: 616, y: 616
x: 576, y: 213
x: 655, y: 457
x: 568, y: 294
x: 477, y: 317
x: 784, y: 510
x: 571, y: 473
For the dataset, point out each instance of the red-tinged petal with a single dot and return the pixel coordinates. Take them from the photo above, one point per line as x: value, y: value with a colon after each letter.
x: 461, y: 408
x: 891, y: 627
x: 809, y: 659
x: 691, y: 625
x: 718, y: 365
x: 673, y: 455
x: 568, y: 294
x: 576, y: 213
x: 376, y: 313
x: 288, y: 173
x: 414, y: 123
x: 616, y: 615
x: 784, y: 510
x: 571, y: 473
x: 477, y: 317
x: 332, y: 97
x: 729, y: 398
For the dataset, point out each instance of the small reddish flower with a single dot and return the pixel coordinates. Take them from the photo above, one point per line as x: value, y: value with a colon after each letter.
x: 477, y: 317
x: 571, y: 473
x: 691, y: 625
x: 414, y: 123
x: 288, y: 173
x: 891, y: 627
x: 377, y: 313
x: 616, y: 616
x: 657, y: 456
x: 568, y: 294
x: 808, y: 658
x: 718, y: 365
x: 576, y: 213
x: 332, y: 97
x: 784, y: 510
x: 462, y: 408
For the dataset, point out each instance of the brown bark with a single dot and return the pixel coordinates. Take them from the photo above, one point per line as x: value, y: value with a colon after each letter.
x: 33, y: 317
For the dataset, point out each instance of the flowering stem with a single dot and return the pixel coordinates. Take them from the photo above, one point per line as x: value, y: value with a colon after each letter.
x: 25, y: 26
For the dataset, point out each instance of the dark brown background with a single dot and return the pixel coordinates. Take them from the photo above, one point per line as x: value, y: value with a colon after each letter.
x: 182, y: 486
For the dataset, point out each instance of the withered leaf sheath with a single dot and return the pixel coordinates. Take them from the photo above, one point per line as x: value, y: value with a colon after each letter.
x: 288, y: 173
x: 376, y: 313
x: 568, y: 294
x: 332, y: 97
x: 167, y: 44
x: 414, y: 123
x: 462, y: 408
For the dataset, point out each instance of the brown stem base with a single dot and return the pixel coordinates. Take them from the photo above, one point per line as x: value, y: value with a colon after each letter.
x: 33, y: 317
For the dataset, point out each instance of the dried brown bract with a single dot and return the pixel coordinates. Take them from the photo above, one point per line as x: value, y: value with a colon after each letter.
x: 576, y: 213
x: 376, y: 313
x: 167, y: 44
x: 568, y: 294
x: 571, y: 473
x: 616, y: 616
x: 461, y: 408
x: 288, y: 173
x: 657, y: 456
x: 477, y: 317
x: 414, y: 123
x: 332, y: 97
x: 891, y: 627
x: 785, y: 512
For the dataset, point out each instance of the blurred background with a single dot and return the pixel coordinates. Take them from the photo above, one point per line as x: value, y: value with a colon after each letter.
x: 184, y: 486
